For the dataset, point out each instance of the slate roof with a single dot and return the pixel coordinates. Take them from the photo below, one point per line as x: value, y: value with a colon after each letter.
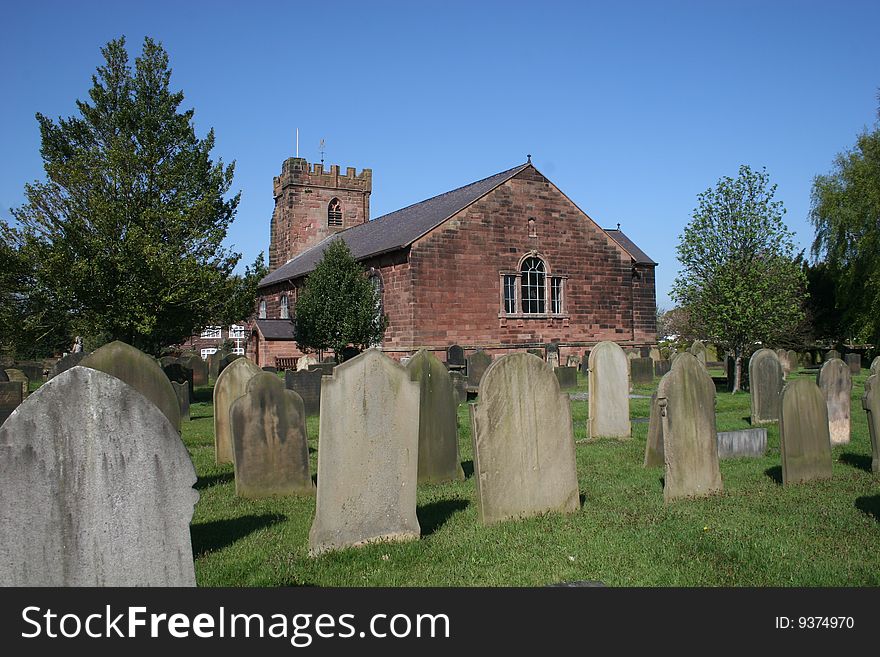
x: 396, y: 229
x: 276, y: 329
x: 640, y: 257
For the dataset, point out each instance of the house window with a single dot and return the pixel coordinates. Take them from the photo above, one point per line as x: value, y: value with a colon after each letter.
x: 236, y: 331
x: 262, y: 313
x: 334, y: 213
x: 533, y: 293
x: 510, y: 293
x: 556, y: 295
x: 207, y: 351
x: 212, y: 332
x: 285, y: 310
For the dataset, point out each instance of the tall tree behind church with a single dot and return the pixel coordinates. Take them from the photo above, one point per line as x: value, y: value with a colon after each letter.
x: 125, y: 234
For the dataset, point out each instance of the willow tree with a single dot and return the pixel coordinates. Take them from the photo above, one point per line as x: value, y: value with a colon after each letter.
x: 740, y: 281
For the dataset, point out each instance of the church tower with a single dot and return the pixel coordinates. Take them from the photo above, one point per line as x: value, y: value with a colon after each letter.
x: 311, y: 204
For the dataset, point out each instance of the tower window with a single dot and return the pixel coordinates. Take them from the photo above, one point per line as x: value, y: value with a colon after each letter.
x: 533, y: 293
x: 334, y: 213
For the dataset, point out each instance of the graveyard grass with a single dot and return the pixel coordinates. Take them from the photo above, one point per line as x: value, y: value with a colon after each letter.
x: 756, y: 533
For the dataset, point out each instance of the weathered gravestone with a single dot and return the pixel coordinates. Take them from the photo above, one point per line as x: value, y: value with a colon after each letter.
x: 10, y: 398
x: 181, y: 390
x: 199, y: 370
x: 477, y: 363
x: 177, y: 372
x: 654, y: 354
x: 567, y: 377
x: 324, y: 368
x: 641, y: 371
x: 793, y: 361
x: 438, y: 420
x: 13, y: 374
x: 875, y: 366
x: 804, y: 441
x: 455, y: 358
x: 95, y: 488
x: 833, y: 353
x: 805, y: 359
x: 871, y: 404
x: 698, y: 349
x: 730, y: 363
x: 214, y: 364
x: 765, y: 386
x: 65, y: 363
x: 553, y: 359
x: 165, y: 361
x: 645, y: 352
x: 307, y: 384
x: 654, y: 443
x: 523, y: 443
x: 305, y: 362
x: 141, y: 372
x: 609, y: 392
x: 743, y: 443
x: 573, y: 361
x: 835, y: 381
x: 661, y: 367
x: 459, y: 384
x: 686, y: 399
x: 270, y: 441
x: 782, y: 355
x: 231, y: 384
x: 367, y: 456
x: 854, y: 362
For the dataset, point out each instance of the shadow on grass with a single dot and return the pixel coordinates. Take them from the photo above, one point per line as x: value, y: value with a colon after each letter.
x: 468, y: 467
x: 200, y: 417
x: 434, y: 515
x: 205, y: 395
x: 870, y: 505
x: 775, y: 473
x: 213, y: 480
x: 218, y: 534
x: 859, y: 461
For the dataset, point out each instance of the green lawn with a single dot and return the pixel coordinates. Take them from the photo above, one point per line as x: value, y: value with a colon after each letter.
x: 756, y: 533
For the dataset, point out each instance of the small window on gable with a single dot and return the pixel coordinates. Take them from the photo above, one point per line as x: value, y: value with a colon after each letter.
x: 262, y: 312
x: 334, y: 213
x: 285, y: 310
x: 533, y: 228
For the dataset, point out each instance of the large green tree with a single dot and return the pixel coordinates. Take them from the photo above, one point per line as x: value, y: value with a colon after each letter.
x: 845, y: 213
x: 740, y: 282
x: 338, y: 306
x: 123, y: 239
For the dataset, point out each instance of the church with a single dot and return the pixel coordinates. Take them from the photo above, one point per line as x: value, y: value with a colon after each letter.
x: 506, y: 263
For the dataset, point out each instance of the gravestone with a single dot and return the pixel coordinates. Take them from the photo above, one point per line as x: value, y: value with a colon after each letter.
x: 875, y: 366
x: 455, y: 358
x: 477, y: 363
x: 835, y: 382
x: 270, y: 441
x: 641, y: 371
x: 854, y: 362
x: 804, y: 441
x: 523, y: 443
x: 165, y: 361
x: 782, y: 355
x: 645, y: 352
x: 632, y: 354
x: 181, y: 390
x: 553, y: 359
x: 609, y: 392
x: 367, y: 455
x: 307, y: 384
x: 33, y: 371
x: 305, y: 362
x: 438, y: 420
x: 324, y: 368
x: 231, y: 384
x: 750, y: 443
x: 459, y: 384
x: 13, y: 374
x: 655, y: 354
x: 199, y: 370
x: 661, y: 367
x: 10, y: 398
x: 686, y: 400
x: 585, y: 363
x: 349, y: 352
x: 65, y: 363
x: 567, y: 377
x: 871, y: 404
x: 833, y: 353
x: 140, y: 371
x: 573, y: 361
x: 654, y: 443
x: 793, y: 361
x: 805, y: 359
x: 226, y: 361
x: 698, y: 349
x: 214, y: 364
x: 177, y: 372
x: 765, y: 386
x: 95, y: 488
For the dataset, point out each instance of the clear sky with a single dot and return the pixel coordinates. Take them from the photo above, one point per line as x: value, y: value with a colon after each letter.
x: 630, y: 108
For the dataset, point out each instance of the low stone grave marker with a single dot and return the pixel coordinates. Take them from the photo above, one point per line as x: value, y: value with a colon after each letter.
x: 742, y: 443
x: 567, y: 377
x: 641, y: 371
x: 307, y: 384
x: 181, y: 390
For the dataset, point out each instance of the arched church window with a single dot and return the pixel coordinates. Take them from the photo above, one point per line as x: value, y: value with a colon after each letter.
x: 533, y: 279
x: 285, y: 309
x: 334, y: 213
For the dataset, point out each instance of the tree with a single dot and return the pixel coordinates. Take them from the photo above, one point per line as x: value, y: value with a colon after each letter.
x: 123, y: 239
x: 845, y: 213
x: 338, y: 306
x: 740, y: 282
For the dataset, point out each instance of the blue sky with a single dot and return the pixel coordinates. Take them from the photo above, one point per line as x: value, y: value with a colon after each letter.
x: 631, y: 108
